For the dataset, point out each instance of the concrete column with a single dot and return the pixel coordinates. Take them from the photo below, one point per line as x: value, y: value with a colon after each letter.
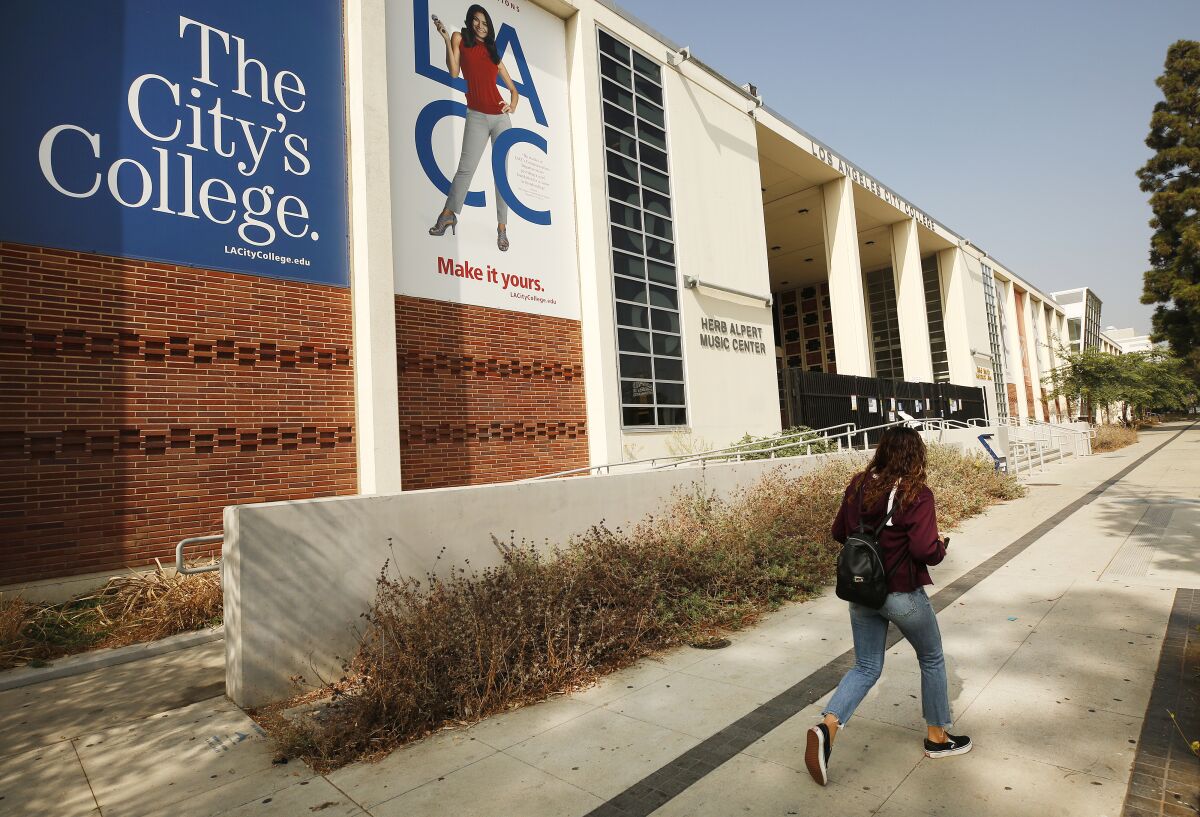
x: 1060, y: 340
x: 911, y: 310
x: 372, y: 283
x: 1012, y: 345
x: 1033, y: 350
x: 1045, y: 354
x: 847, y: 302
x: 956, y: 315
x: 1047, y: 327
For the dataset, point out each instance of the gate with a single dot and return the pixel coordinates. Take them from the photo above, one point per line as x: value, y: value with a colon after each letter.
x: 820, y: 400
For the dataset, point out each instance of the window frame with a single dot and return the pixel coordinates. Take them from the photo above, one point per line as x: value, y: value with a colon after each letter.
x: 651, y: 253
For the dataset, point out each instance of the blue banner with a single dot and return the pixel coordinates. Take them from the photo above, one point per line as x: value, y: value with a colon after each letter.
x: 208, y: 133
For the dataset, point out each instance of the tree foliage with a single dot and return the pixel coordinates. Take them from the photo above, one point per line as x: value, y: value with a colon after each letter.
x: 1141, y: 380
x: 1172, y: 177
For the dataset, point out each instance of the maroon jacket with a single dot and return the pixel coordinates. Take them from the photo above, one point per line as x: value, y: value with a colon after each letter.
x: 913, y: 528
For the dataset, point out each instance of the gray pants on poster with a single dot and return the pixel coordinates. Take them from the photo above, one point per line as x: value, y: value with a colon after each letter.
x: 480, y: 127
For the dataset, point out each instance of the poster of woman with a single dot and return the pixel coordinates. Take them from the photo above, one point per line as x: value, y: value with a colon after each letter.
x: 473, y: 53
x: 481, y: 156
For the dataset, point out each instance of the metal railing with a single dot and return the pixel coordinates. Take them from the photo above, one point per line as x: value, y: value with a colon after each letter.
x: 1027, y: 450
x: 1080, y: 440
x: 998, y: 462
x: 849, y: 436
x: 809, y: 438
x: 181, y: 567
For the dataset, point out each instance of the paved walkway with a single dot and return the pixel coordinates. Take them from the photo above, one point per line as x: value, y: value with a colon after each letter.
x: 1053, y: 642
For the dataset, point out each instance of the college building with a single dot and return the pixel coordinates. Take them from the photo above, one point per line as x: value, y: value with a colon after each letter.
x: 255, y: 255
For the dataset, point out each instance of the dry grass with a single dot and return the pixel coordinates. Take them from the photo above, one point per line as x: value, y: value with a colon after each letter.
x: 454, y: 650
x: 1110, y: 438
x: 127, y: 610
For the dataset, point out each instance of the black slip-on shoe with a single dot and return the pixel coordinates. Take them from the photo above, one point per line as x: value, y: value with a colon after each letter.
x: 954, y: 745
x: 816, y: 754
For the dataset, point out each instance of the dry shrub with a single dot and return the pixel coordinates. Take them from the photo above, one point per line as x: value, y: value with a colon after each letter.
x: 453, y: 650
x: 1112, y: 437
x: 128, y: 609
x: 964, y: 485
x: 153, y: 605
x: 14, y: 614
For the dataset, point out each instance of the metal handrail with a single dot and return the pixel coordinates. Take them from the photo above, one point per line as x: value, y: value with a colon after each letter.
x: 807, y: 438
x: 691, y: 282
x: 1027, y: 447
x: 180, y: 567
x: 668, y: 461
x: 1081, y: 438
x: 943, y: 422
x: 849, y: 435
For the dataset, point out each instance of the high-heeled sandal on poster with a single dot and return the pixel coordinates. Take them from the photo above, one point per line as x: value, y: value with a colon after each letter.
x: 443, y: 221
x: 502, y: 238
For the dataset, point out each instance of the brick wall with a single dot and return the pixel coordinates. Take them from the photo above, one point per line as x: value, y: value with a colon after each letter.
x: 138, y: 399
x: 487, y: 395
x: 1013, y: 408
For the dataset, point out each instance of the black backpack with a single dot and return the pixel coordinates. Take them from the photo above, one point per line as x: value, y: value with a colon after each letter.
x: 861, y: 577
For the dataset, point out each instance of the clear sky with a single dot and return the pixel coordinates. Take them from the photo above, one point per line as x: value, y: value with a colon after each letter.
x: 1017, y: 124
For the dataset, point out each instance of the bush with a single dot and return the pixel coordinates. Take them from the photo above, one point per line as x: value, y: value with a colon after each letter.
x: 1112, y: 437
x: 755, y: 448
x: 457, y: 649
x: 127, y: 610
x: 964, y: 485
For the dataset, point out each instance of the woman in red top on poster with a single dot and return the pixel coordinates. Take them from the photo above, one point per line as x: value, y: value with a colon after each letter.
x: 893, y: 481
x: 472, y: 52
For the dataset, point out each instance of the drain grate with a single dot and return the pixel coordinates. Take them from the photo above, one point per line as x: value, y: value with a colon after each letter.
x: 1134, y: 557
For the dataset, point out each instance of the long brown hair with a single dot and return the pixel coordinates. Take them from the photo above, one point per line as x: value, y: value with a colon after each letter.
x: 899, y: 458
x: 468, y: 32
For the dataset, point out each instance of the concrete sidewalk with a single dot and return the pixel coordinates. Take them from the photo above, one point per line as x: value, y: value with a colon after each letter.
x: 1052, y: 654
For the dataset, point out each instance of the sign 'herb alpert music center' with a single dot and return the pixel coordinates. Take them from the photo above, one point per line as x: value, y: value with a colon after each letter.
x: 209, y: 134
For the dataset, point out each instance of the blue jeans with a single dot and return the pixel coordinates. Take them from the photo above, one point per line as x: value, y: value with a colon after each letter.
x: 914, y: 615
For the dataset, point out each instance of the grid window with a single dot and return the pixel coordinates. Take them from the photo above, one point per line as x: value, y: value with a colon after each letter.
x: 993, y: 319
x: 933, y: 311
x: 642, y: 235
x: 1091, y: 322
x: 885, y: 324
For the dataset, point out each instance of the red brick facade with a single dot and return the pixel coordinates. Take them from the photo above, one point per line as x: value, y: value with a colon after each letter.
x: 138, y: 399
x: 487, y: 395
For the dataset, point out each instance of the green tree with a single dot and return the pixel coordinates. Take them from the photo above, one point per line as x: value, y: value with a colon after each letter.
x: 1155, y: 380
x: 1172, y: 178
x: 1091, y: 376
x: 1140, y: 381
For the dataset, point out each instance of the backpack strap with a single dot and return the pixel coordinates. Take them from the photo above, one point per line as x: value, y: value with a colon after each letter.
x: 883, y: 524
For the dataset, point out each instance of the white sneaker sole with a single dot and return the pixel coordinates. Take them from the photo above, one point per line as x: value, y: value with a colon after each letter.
x: 958, y: 750
x: 814, y: 756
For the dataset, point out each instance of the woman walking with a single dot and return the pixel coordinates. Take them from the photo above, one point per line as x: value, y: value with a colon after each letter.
x: 892, y: 492
x: 472, y: 52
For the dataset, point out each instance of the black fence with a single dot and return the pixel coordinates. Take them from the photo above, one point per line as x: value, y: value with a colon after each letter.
x: 819, y: 400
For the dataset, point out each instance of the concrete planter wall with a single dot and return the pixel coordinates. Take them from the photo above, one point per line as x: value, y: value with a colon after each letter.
x: 299, y: 575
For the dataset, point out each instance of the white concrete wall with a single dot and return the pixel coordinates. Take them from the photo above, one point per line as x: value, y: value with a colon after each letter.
x: 720, y: 238
x: 298, y: 575
x: 965, y: 439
